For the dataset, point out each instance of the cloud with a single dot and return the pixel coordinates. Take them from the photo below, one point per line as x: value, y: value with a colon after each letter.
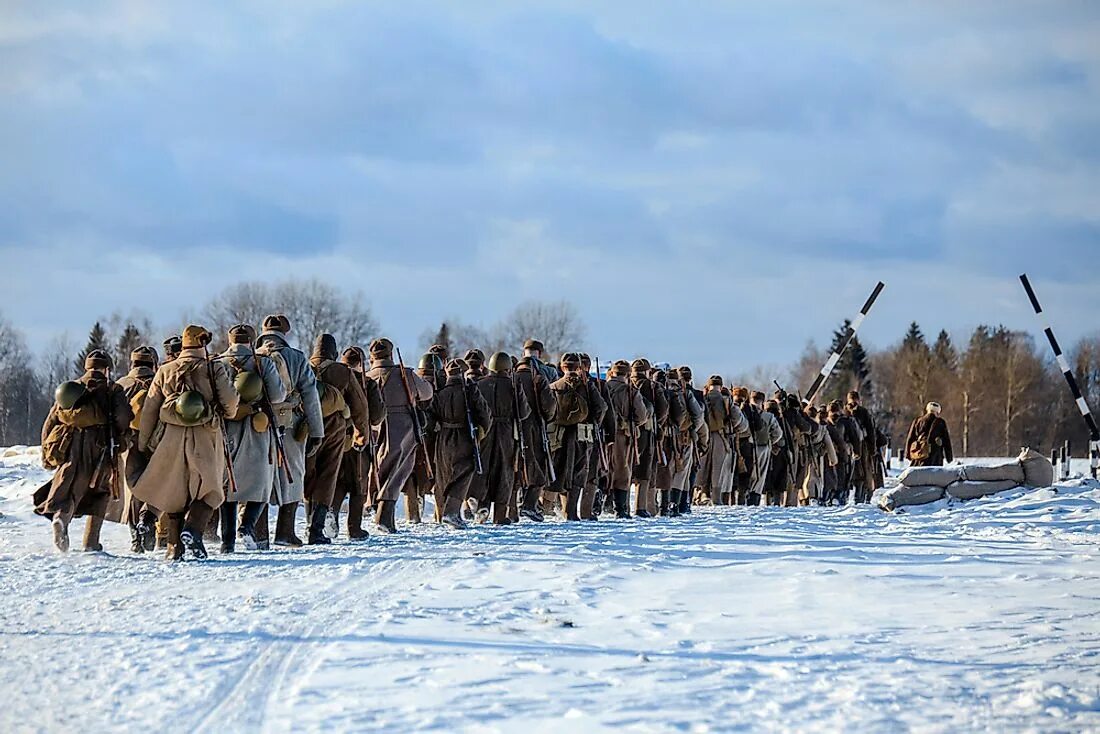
x: 715, y: 186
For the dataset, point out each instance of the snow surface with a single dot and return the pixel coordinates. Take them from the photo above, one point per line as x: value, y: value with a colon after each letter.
x: 982, y: 615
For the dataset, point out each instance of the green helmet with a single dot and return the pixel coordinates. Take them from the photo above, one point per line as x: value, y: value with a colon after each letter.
x: 191, y: 407
x: 68, y: 393
x: 249, y: 386
x: 430, y: 362
x: 500, y: 362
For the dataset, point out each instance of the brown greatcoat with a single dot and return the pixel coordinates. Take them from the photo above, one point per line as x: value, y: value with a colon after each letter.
x: 188, y: 464
x: 352, y: 480
x: 569, y: 445
x: 631, y: 412
x: 396, y: 442
x: 125, y: 508
x: 455, y: 465
x: 645, y: 466
x: 500, y: 444
x: 71, y: 492
x: 537, y: 393
x: 935, y: 428
x: 323, y: 467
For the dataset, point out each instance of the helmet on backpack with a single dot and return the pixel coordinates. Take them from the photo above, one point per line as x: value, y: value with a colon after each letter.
x: 69, y: 393
x: 191, y: 408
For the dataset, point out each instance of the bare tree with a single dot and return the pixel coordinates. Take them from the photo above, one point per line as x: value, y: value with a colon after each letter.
x: 312, y: 306
x: 22, y: 405
x: 557, y: 324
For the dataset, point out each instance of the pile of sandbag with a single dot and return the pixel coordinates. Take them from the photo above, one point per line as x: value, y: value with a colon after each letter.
x: 923, y: 484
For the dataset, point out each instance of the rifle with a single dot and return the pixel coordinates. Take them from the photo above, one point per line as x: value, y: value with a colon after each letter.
x: 522, y: 461
x: 110, y: 451
x: 632, y: 448
x: 544, y: 435
x: 659, y: 432
x: 601, y: 440
x: 226, y: 453
x: 273, y: 426
x: 470, y: 427
x: 371, y: 448
x: 419, y: 427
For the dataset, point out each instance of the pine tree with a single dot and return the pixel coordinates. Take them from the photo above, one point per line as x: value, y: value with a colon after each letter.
x: 443, y: 337
x: 944, y: 352
x: 97, y: 339
x: 130, y: 340
x: 914, y: 339
x: 852, y: 372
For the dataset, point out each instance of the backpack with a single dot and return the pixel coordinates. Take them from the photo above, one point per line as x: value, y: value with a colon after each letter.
x: 572, y: 404
x: 921, y: 449
x: 678, y: 415
x: 332, y: 398
x: 717, y: 413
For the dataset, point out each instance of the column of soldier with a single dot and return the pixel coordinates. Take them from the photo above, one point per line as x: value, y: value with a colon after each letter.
x: 201, y: 444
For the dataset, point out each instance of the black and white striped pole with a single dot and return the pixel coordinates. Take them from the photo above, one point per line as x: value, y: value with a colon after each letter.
x: 830, y: 365
x: 1067, y: 372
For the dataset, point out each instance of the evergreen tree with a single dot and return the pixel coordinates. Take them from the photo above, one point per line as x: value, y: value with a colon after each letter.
x: 944, y: 352
x: 852, y: 372
x: 443, y: 337
x: 914, y: 339
x: 97, y: 339
x: 130, y: 340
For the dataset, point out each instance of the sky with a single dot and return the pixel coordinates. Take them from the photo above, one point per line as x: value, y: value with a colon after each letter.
x: 709, y: 183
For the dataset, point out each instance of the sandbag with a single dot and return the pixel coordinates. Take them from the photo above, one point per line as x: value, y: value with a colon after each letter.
x: 904, y: 496
x: 1013, y: 471
x: 930, y: 476
x: 1038, y: 471
x: 970, y: 490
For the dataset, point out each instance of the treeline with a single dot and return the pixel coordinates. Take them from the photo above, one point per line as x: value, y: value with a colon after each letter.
x: 28, y: 381
x: 999, y: 391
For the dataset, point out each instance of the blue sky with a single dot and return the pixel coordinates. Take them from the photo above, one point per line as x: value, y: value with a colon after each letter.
x: 711, y: 183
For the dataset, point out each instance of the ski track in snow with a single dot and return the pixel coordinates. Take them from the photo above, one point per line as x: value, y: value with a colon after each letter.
x: 982, y: 615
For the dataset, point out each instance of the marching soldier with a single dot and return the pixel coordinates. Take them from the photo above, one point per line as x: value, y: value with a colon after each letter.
x: 578, y: 408
x: 457, y: 407
x: 536, y: 391
x: 508, y: 409
x: 353, y: 481
x: 184, y: 478
x: 81, y: 441
x: 726, y: 424
x: 820, y: 454
x: 173, y: 345
x: 631, y: 413
x: 252, y: 440
x: 599, y: 461
x: 702, y: 442
x: 867, y: 478
x: 533, y: 351
x: 420, y: 485
x: 342, y: 403
x: 650, y: 452
x: 766, y: 439
x: 399, y: 439
x: 140, y: 517
x: 300, y: 417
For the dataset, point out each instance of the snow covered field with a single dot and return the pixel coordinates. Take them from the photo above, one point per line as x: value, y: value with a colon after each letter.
x: 977, y: 616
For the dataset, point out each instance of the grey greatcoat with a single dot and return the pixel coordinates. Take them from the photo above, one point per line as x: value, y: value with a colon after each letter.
x: 253, y: 453
x: 301, y: 404
x: 396, y: 443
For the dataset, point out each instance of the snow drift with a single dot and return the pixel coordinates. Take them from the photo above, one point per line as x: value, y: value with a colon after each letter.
x: 978, y: 615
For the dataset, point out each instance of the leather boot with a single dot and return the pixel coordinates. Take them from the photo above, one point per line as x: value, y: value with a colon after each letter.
x: 284, y: 526
x: 572, y: 501
x: 198, y: 519
x: 147, y: 529
x: 262, y: 533
x: 641, y: 500
x: 384, y: 520
x: 171, y: 524
x: 317, y: 525
x: 162, y: 532
x: 622, y: 503
x: 228, y: 513
x: 210, y: 531
x: 673, y: 502
x: 586, y: 511
x: 452, y: 512
x: 136, y: 544
x: 92, y: 526
x: 500, y: 514
x: 247, y: 531
x: 531, y: 504
x: 355, y: 518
